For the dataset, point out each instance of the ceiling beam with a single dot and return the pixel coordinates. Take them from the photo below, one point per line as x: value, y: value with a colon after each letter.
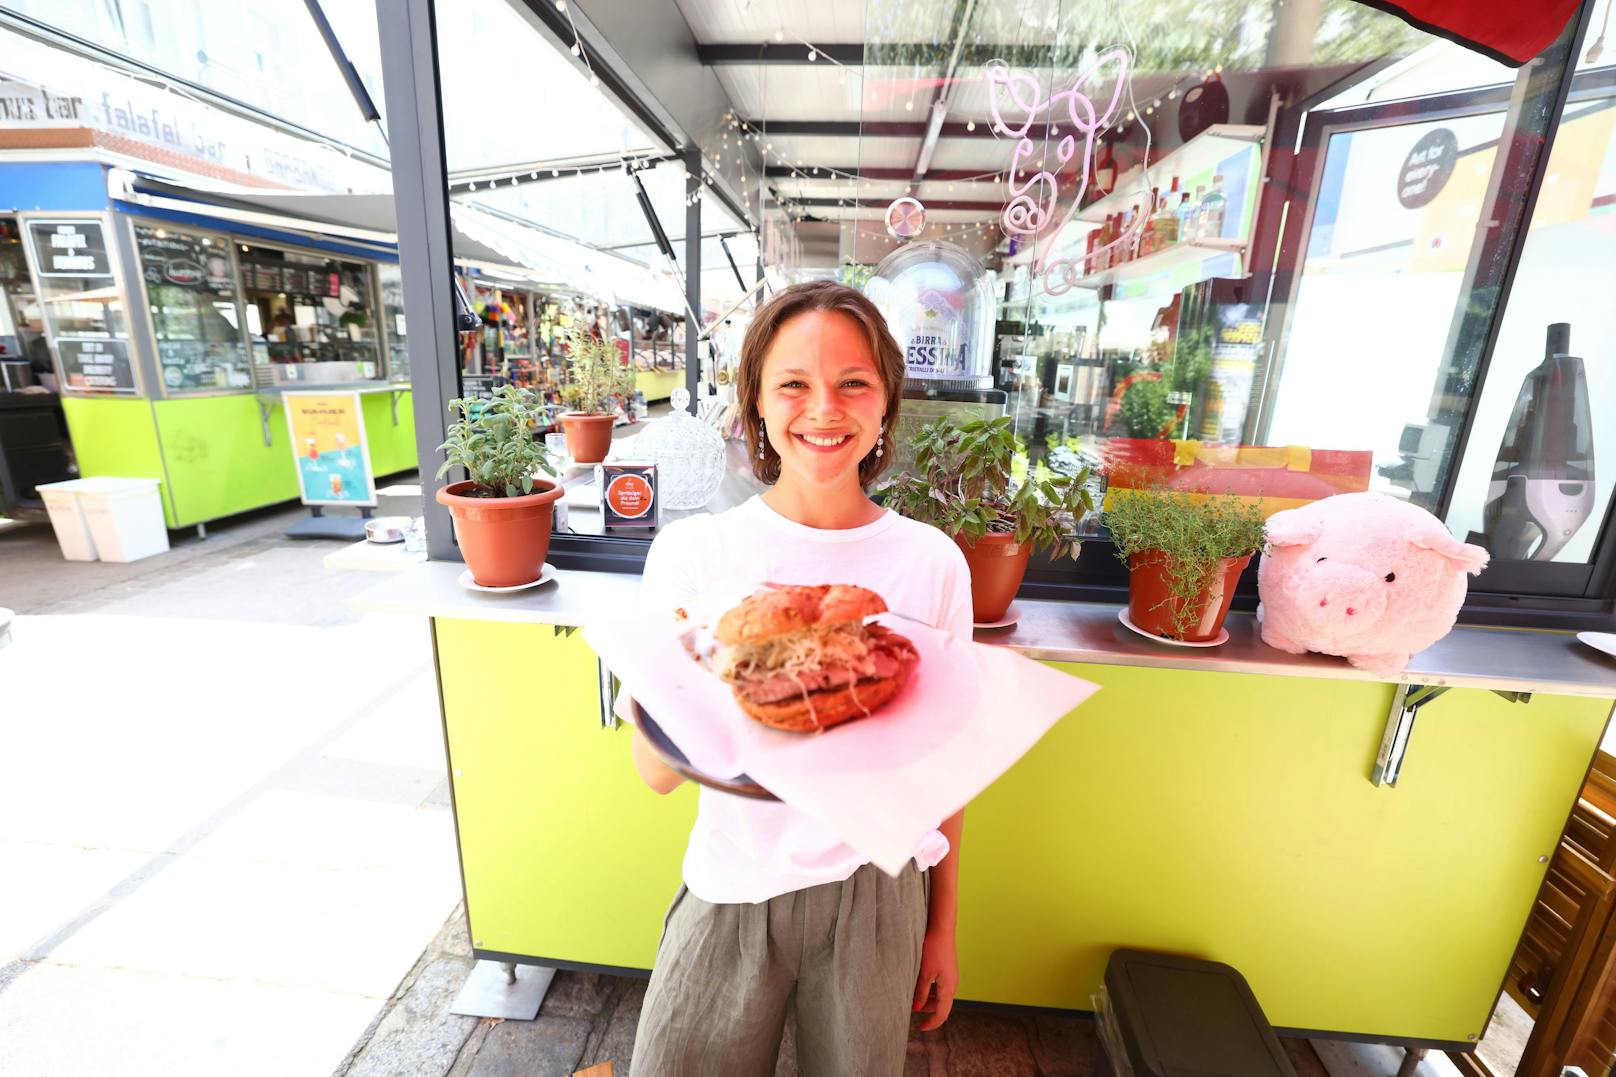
x: 884, y: 129
x: 989, y: 208
x: 805, y: 172
x: 773, y: 52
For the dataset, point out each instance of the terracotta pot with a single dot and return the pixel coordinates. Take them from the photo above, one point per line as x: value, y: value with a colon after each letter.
x: 503, y: 539
x: 1152, y: 607
x: 998, y: 563
x: 589, y: 437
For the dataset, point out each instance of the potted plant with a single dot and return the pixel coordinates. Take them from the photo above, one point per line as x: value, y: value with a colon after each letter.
x: 1184, y: 552
x: 502, y: 512
x: 597, y: 378
x: 962, y: 484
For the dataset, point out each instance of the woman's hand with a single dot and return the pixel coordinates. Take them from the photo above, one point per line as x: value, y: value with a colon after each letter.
x: 662, y: 778
x: 939, y: 977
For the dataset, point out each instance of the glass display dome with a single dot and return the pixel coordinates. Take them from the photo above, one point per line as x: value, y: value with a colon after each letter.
x: 939, y: 305
x: 688, y: 453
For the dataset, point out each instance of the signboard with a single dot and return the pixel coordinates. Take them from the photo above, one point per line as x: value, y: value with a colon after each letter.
x: 328, y: 441
x: 96, y: 363
x: 627, y: 494
x: 1428, y: 167
x: 185, y: 260
x: 70, y: 248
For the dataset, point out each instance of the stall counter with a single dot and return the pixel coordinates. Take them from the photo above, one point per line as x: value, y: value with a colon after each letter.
x: 223, y: 454
x: 1217, y: 803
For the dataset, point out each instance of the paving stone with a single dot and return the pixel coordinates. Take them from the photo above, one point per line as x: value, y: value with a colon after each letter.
x: 1065, y: 1045
x: 614, y: 1032
x: 419, y: 1036
x: 987, y: 1044
x: 454, y: 940
x: 578, y: 994
x: 545, y: 1047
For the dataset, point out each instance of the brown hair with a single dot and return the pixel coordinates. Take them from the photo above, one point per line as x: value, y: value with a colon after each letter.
x: 785, y: 305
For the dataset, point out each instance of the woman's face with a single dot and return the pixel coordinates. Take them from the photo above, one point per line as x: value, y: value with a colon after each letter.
x: 821, y: 397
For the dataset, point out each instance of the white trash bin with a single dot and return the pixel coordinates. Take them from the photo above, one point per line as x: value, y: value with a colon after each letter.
x: 67, y: 519
x: 125, y: 517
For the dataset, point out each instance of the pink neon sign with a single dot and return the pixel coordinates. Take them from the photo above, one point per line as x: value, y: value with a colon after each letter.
x: 1017, y: 101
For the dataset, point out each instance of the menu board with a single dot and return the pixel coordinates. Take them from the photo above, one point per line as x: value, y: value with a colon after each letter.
x: 260, y: 277
x: 328, y: 441
x: 70, y: 248
x: 89, y: 363
x: 185, y: 260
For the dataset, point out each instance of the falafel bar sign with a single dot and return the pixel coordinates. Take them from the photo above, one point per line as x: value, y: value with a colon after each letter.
x: 328, y: 443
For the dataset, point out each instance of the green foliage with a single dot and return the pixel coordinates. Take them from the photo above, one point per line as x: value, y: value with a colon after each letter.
x: 596, y: 374
x: 962, y: 484
x: 1145, y: 410
x: 493, y: 441
x: 1192, y: 531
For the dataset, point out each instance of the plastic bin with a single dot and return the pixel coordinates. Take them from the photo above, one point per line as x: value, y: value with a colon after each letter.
x: 67, y: 519
x: 125, y: 517
x: 1181, y: 1015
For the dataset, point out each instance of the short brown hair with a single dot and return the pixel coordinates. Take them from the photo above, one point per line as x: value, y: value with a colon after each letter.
x: 785, y: 305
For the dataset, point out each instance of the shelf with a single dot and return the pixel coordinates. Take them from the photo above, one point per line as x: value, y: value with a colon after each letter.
x: 1203, y: 151
x: 1178, y: 254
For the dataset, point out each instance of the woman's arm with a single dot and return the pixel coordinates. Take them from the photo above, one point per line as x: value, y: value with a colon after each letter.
x: 939, y: 962
x: 662, y: 778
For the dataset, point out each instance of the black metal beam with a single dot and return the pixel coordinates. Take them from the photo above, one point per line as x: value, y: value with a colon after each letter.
x: 410, y: 85
x: 886, y: 129
x: 855, y: 172
x: 694, y: 319
x: 776, y: 52
x: 994, y: 208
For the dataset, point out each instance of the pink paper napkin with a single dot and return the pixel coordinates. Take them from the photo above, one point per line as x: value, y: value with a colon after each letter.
x: 881, y: 783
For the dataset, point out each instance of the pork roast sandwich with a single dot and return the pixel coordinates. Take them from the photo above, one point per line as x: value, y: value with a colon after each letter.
x: 802, y: 659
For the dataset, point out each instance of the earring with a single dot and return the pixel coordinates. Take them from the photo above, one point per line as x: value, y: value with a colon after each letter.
x: 761, y: 439
x: 880, y: 440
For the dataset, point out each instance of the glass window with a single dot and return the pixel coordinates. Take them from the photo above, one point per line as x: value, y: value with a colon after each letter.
x: 1539, y: 463
x: 311, y: 317
x: 195, y: 307
x: 398, y: 352
x: 82, y: 304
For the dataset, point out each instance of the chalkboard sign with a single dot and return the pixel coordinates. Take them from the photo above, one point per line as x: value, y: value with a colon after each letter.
x: 185, y: 260
x: 96, y: 364
x: 70, y: 248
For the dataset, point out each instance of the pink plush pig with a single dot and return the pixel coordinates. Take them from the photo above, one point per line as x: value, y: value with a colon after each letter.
x: 1362, y: 575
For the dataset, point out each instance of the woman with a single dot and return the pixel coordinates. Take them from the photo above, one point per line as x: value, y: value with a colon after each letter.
x: 775, y: 911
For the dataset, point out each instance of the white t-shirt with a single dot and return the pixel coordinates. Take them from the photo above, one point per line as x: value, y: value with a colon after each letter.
x: 744, y: 850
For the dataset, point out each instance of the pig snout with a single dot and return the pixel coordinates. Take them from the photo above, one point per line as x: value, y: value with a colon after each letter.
x: 1341, y: 599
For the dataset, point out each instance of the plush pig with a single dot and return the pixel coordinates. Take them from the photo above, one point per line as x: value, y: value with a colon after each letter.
x: 1365, y: 576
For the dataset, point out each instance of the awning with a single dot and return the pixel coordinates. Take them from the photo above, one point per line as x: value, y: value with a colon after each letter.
x: 1508, y: 31
x: 493, y: 241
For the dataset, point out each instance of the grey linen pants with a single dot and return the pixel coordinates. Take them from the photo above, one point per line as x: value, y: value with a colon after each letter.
x: 847, y: 954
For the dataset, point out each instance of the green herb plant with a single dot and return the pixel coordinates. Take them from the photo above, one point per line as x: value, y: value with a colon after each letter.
x: 962, y: 484
x: 1193, y: 532
x: 596, y: 375
x: 493, y: 440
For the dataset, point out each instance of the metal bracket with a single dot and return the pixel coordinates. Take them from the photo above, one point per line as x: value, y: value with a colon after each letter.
x: 395, y: 394
x: 1406, y: 706
x: 264, y: 408
x: 608, y: 695
x: 562, y: 631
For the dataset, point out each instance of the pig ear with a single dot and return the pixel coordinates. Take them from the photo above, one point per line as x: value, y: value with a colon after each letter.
x: 1292, y: 527
x: 1461, y: 555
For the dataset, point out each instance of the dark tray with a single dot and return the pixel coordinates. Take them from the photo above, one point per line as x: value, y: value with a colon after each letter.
x: 740, y: 785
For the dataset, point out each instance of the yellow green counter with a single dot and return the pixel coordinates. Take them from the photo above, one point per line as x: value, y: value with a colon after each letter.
x: 220, y: 455
x: 658, y: 384
x: 1218, y: 804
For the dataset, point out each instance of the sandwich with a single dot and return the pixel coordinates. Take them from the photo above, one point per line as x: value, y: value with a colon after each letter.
x: 802, y: 659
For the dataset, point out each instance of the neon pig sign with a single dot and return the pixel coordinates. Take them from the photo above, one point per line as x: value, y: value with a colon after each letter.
x: 1017, y: 101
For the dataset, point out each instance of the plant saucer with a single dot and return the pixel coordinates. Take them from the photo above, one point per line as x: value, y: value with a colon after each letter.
x: 1012, y: 614
x: 1222, y: 637
x: 546, y: 574
x: 1600, y: 641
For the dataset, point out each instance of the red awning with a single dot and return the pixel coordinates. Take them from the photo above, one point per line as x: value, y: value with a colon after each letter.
x: 1510, y: 32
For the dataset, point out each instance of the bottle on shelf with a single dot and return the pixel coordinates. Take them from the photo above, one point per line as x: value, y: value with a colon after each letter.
x: 1164, y: 224
x: 1194, y: 230
x: 1213, y: 210
x: 1185, y: 213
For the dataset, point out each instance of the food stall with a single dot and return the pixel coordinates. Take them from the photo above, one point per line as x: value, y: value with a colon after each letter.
x: 175, y: 330
x: 1368, y: 874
